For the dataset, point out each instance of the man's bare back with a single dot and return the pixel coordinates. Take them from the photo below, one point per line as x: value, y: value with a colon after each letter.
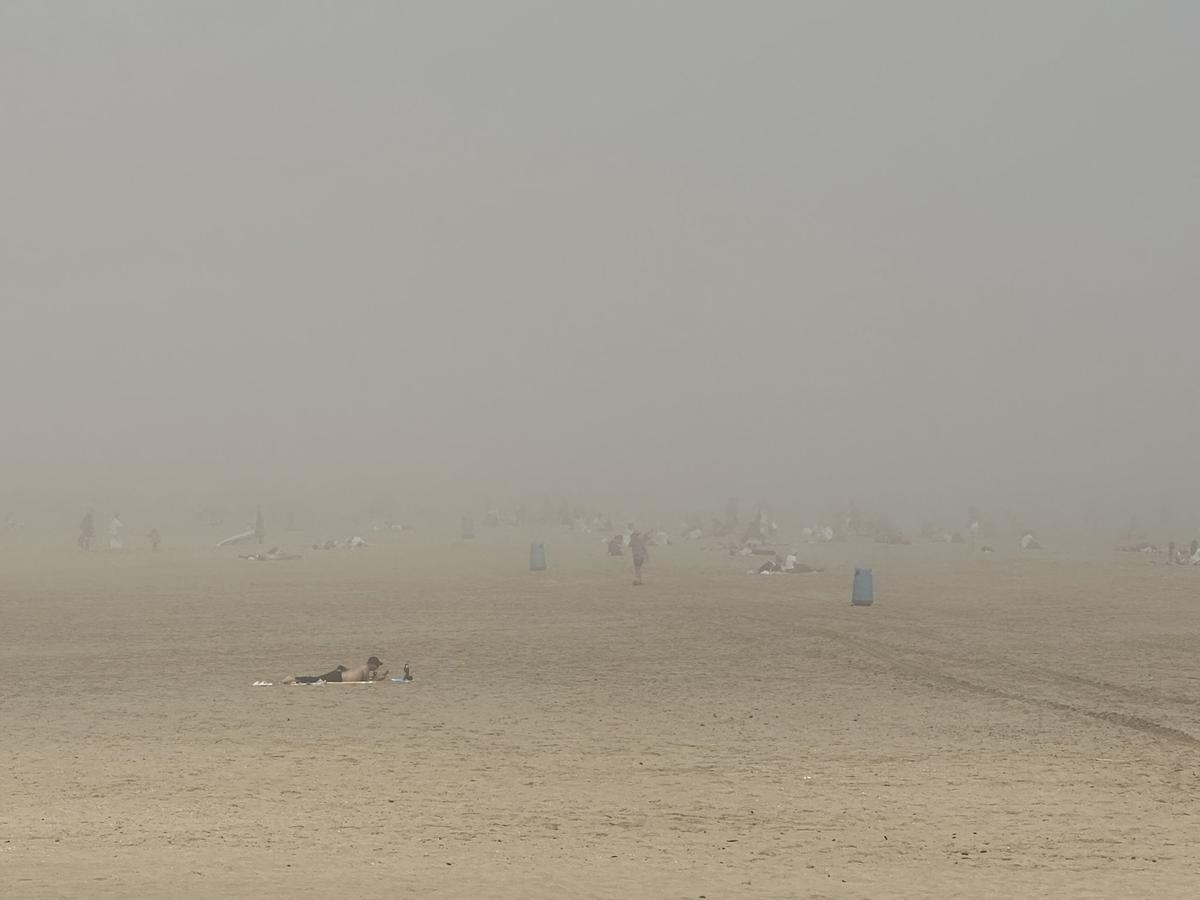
x: 371, y: 670
x: 366, y: 672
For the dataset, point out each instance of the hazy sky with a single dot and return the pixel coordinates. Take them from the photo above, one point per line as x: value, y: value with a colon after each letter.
x: 923, y: 254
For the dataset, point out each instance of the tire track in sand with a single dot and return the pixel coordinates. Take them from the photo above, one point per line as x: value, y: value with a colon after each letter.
x: 887, y: 654
x: 1106, y: 710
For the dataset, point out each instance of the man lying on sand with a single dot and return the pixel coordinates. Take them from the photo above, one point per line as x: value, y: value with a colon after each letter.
x: 369, y: 671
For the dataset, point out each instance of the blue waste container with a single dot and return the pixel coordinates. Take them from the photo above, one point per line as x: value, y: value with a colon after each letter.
x: 864, y: 588
x: 537, y: 557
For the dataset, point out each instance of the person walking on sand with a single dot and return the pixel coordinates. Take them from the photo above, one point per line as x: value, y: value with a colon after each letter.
x: 260, y: 528
x: 87, y: 530
x: 155, y: 539
x: 637, y: 547
x: 116, y: 533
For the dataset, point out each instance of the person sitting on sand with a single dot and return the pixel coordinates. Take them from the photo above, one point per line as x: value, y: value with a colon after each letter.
x: 369, y: 671
x: 271, y: 555
x: 790, y: 564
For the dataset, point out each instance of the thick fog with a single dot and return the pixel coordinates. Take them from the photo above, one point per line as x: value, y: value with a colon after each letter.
x: 910, y: 255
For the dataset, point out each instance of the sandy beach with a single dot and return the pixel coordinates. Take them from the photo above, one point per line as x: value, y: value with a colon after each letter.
x: 428, y: 284
x: 1019, y: 725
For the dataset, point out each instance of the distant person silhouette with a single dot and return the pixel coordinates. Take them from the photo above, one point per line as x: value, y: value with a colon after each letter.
x: 116, y: 533
x: 637, y: 547
x: 87, y: 530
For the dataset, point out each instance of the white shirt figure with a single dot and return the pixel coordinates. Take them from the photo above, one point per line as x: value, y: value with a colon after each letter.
x: 116, y: 536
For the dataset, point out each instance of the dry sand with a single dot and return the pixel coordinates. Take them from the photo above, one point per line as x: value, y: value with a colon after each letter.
x: 1014, y: 726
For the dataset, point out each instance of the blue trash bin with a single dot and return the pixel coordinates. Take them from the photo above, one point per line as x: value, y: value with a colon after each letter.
x: 864, y: 588
x: 537, y: 557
